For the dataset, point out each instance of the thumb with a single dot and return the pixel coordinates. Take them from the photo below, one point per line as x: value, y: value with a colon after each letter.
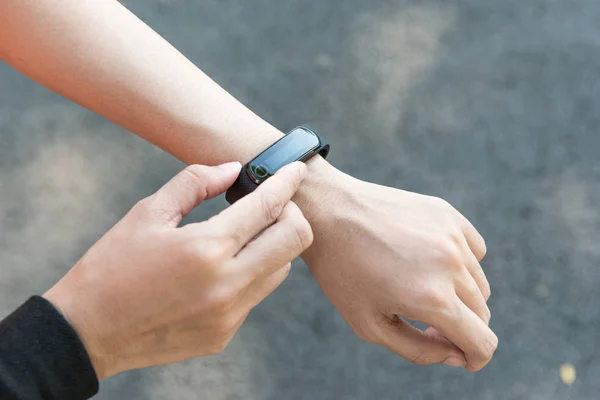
x: 196, y: 183
x: 416, y: 346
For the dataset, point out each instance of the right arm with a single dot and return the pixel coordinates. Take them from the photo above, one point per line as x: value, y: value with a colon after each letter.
x: 150, y: 292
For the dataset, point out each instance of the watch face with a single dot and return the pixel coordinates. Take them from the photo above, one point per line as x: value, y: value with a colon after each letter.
x: 288, y: 149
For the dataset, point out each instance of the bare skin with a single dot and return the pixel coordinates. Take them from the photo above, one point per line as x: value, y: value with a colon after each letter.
x: 378, y: 253
x: 151, y: 293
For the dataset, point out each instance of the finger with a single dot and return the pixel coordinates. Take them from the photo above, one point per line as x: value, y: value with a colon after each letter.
x: 178, y: 197
x: 263, y: 287
x: 467, y: 331
x: 474, y: 268
x: 276, y: 246
x: 253, y: 213
x: 474, y: 239
x: 419, y: 347
x: 470, y: 294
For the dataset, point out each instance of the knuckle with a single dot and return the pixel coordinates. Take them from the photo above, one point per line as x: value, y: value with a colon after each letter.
x: 372, y: 331
x: 365, y: 333
x: 303, y: 235
x: 234, y: 238
x: 271, y: 206
x: 192, y: 252
x: 487, y: 291
x: 219, y: 347
x: 438, y: 306
x: 214, y: 251
x: 456, y: 236
x: 221, y: 303
x: 487, y: 314
x: 210, y: 254
x: 482, y: 248
x: 144, y: 205
x: 195, y: 178
x: 449, y: 253
x: 149, y: 208
x: 487, y: 348
x: 437, y: 300
x: 227, y: 325
x: 419, y: 358
x: 306, y: 234
x: 494, y: 343
x: 223, y: 236
x: 284, y: 271
x: 197, y: 171
x: 298, y: 176
x: 443, y: 204
x: 448, y: 210
x: 482, y: 283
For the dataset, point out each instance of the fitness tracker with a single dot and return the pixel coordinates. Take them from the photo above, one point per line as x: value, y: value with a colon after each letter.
x: 300, y: 144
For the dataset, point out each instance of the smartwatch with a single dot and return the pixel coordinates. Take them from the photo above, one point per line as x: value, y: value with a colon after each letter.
x: 300, y: 144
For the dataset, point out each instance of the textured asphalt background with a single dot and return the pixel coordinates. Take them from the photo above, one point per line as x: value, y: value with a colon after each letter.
x: 493, y: 105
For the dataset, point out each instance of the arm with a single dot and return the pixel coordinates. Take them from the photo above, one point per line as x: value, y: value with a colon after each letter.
x: 194, y: 287
x: 100, y: 55
x: 34, y: 340
x: 378, y: 252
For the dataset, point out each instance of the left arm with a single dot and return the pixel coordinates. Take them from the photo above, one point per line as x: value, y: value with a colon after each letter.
x: 378, y: 252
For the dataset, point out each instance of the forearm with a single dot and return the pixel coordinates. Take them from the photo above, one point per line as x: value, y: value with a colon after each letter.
x: 100, y: 55
x: 41, y: 356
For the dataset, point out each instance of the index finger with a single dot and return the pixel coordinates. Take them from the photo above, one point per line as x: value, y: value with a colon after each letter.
x: 253, y: 213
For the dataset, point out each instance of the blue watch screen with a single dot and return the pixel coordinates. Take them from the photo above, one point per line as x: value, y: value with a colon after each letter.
x: 288, y: 149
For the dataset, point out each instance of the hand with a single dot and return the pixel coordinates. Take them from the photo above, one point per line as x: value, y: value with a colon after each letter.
x: 381, y: 253
x: 150, y: 293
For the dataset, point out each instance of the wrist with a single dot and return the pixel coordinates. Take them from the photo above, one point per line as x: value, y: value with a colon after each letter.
x: 225, y: 140
x: 322, y: 198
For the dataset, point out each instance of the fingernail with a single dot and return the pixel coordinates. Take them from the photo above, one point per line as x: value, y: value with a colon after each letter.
x: 231, y: 167
x: 456, y: 361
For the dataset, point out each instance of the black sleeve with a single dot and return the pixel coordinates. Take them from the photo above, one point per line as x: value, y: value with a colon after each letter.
x: 41, y: 356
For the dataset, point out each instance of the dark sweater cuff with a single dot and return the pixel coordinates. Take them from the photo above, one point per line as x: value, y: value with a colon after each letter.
x: 41, y: 356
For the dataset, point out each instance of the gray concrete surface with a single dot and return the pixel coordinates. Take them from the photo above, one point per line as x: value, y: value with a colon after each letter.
x: 493, y: 105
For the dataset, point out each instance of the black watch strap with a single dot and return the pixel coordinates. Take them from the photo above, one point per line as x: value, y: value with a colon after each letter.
x: 243, y: 185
